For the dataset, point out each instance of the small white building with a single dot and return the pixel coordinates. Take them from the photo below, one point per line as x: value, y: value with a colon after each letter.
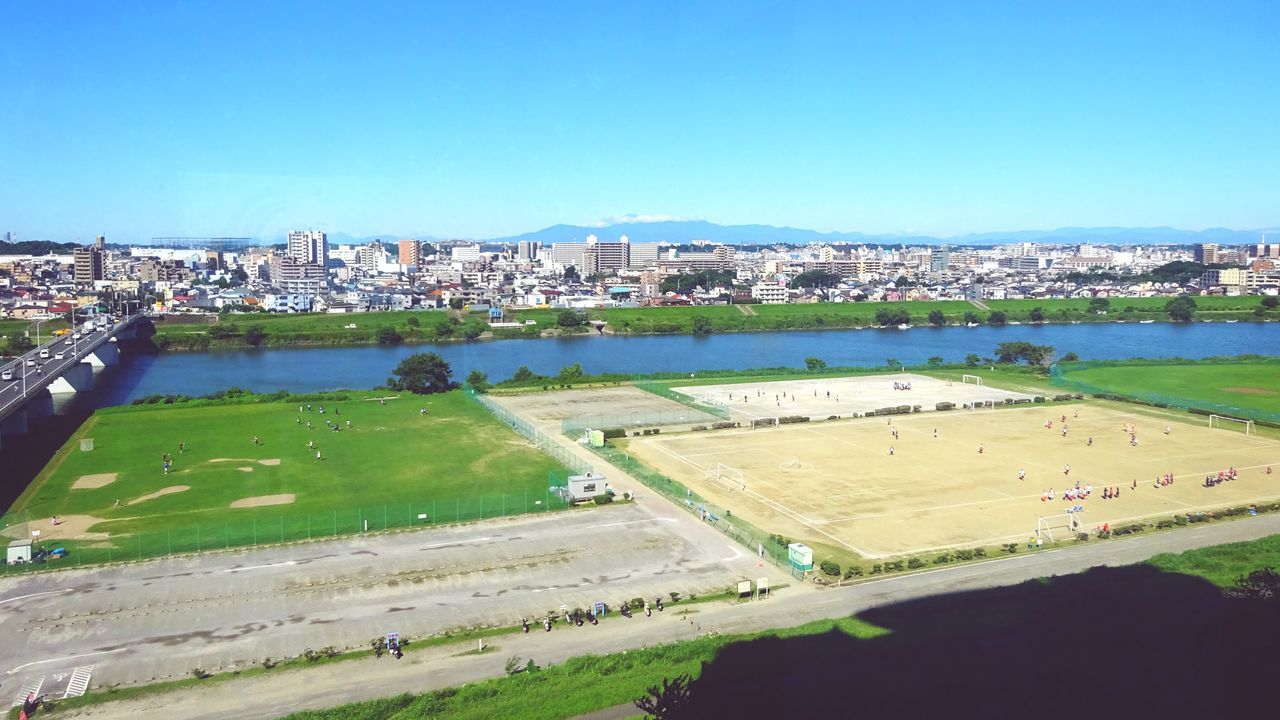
x: 19, y: 552
x: 769, y: 293
x: 586, y: 487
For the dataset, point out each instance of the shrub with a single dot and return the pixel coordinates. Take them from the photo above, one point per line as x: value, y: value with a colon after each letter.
x: 697, y: 428
x: 942, y: 559
x: 603, y: 499
x: 979, y: 552
x: 793, y: 419
x: 877, y: 569
x: 945, y: 406
x: 852, y: 571
x: 723, y: 425
x: 611, y: 433
x: 915, y: 563
x: 830, y: 567
x: 1038, y: 398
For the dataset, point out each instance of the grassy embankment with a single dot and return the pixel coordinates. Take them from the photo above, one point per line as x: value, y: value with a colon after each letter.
x: 17, y: 327
x: 1248, y: 384
x: 208, y: 332
x: 455, y: 463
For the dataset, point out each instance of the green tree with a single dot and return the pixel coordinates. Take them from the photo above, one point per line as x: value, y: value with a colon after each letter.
x: 569, y: 319
x: 972, y: 318
x: 389, y: 336
x: 997, y: 318
x: 814, y: 363
x: 414, y: 321
x: 254, y: 336
x: 1181, y: 308
x: 935, y: 361
x: 972, y: 360
x: 569, y: 373
x: 523, y: 374
x: 668, y: 702
x: 20, y: 343
x: 893, y: 362
x: 456, y: 303
x: 1270, y: 302
x: 815, y: 278
x: 478, y: 380
x: 571, y: 274
x: 1099, y: 305
x: 1070, y: 357
x: 1020, y: 351
x: 471, y: 331
x: 1261, y: 584
x: 1037, y: 315
x: 936, y: 318
x: 701, y: 325
x: 422, y: 373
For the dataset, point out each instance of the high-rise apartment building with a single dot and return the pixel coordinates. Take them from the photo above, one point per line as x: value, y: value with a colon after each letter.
x: 88, y: 262
x: 526, y: 250
x: 601, y: 256
x: 1207, y: 253
x: 309, y: 246
x: 410, y: 252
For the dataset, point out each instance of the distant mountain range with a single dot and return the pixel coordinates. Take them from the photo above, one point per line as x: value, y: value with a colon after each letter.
x: 687, y: 231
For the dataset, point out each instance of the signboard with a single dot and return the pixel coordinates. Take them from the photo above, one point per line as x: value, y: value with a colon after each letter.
x: 744, y: 589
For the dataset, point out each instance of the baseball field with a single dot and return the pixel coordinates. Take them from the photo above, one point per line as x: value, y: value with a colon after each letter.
x: 209, y: 476
x: 902, y: 484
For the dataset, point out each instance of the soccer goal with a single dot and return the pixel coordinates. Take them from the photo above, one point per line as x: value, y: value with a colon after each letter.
x: 726, y: 477
x: 984, y: 404
x: 1224, y: 421
x: 971, y: 379
x: 1067, y: 524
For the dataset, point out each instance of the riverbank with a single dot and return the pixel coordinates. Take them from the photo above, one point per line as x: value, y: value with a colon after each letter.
x: 209, y: 332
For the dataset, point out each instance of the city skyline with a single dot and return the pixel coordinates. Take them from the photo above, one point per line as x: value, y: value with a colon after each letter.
x: 246, y: 121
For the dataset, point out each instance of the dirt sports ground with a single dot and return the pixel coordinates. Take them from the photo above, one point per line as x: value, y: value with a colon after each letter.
x: 836, y: 482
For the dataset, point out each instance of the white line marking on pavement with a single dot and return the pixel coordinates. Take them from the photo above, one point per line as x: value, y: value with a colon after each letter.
x: 259, y: 567
x: 454, y: 542
x: 69, y: 657
x: 628, y: 522
x: 735, y: 555
x: 24, y: 597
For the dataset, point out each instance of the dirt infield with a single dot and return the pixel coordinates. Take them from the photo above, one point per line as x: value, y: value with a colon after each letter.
x: 263, y: 500
x: 618, y: 406
x: 824, y: 397
x: 159, y: 493
x: 91, y: 482
x: 836, y: 483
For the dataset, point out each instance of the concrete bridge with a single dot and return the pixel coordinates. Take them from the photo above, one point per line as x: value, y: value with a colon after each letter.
x: 65, y: 364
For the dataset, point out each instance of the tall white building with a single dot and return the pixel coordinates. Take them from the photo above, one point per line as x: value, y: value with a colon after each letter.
x: 309, y: 246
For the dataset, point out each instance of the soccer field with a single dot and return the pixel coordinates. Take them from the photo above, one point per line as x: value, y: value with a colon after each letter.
x: 836, y: 483
x: 282, y: 466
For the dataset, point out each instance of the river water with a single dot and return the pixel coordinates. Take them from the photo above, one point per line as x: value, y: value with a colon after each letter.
x: 311, y: 369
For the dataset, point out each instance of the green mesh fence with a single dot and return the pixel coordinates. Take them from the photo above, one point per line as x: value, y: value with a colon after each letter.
x: 267, y: 529
x: 756, y: 541
x: 544, y: 442
x: 1062, y: 375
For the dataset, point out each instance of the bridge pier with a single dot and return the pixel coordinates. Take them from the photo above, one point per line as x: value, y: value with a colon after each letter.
x: 105, y: 355
x: 73, y: 380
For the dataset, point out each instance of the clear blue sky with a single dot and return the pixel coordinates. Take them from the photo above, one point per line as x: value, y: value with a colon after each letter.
x: 463, y: 119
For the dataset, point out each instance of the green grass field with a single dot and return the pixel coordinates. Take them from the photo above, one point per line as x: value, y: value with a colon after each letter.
x: 456, y: 462
x: 1213, y: 385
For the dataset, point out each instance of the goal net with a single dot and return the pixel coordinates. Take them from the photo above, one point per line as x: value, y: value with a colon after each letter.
x: 1224, y: 421
x: 982, y: 404
x: 726, y: 477
x: 1065, y: 525
x: 971, y: 379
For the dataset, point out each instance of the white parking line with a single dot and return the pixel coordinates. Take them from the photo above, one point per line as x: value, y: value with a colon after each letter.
x: 24, y: 597
x: 259, y: 567
x: 69, y: 657
x: 455, y: 542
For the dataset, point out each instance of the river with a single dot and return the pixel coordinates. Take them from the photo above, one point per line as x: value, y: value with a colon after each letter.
x: 310, y: 369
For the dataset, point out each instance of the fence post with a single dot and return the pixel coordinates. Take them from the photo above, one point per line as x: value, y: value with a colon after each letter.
x: 199, y: 547
x: 433, y: 512
x: 335, y: 523
x: 255, y: 532
x: 457, y: 510
x: 226, y: 535
x: 308, y: 526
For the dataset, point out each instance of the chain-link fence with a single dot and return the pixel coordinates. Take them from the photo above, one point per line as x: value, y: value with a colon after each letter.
x: 1063, y: 375
x: 756, y: 541
x: 268, y: 529
x: 545, y: 443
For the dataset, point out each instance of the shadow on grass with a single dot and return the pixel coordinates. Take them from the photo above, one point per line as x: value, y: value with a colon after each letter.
x: 1124, y: 642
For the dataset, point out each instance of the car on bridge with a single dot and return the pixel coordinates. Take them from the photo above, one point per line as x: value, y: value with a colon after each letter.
x: 6, y: 374
x: 60, y: 355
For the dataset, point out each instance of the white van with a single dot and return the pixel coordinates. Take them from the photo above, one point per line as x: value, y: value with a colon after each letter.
x: 44, y: 353
x: 7, y: 374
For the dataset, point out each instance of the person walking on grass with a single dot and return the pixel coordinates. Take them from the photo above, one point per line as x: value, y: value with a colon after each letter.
x: 317, y: 456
